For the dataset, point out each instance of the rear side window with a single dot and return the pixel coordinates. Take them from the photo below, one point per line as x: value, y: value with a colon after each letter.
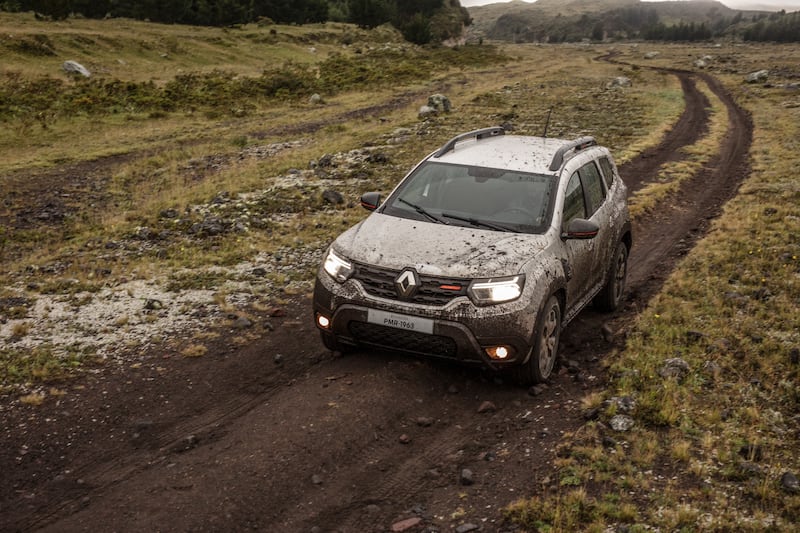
x: 608, y: 171
x: 592, y: 187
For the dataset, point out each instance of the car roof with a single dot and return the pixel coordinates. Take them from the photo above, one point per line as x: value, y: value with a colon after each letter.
x: 520, y: 153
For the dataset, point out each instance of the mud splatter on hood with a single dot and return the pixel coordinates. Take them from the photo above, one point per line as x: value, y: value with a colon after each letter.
x: 438, y: 249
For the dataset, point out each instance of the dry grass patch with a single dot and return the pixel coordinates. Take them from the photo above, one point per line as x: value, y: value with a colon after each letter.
x: 194, y: 350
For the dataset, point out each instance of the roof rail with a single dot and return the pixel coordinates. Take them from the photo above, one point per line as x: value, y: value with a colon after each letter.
x: 478, y: 134
x: 578, y: 144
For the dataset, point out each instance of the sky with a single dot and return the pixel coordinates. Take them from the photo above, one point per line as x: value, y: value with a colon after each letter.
x: 789, y: 5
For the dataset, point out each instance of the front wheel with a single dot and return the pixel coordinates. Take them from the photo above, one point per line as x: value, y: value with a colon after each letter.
x: 545, y: 345
x: 610, y: 296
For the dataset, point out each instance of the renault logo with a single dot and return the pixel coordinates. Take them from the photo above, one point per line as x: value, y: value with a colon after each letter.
x: 407, y: 283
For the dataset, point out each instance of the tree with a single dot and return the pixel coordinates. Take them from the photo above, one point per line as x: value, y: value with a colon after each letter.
x: 371, y: 13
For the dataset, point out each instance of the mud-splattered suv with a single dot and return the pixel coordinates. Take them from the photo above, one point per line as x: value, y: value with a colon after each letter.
x: 482, y: 253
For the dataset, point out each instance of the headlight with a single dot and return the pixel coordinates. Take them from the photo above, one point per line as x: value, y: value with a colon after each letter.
x: 339, y: 268
x: 496, y: 290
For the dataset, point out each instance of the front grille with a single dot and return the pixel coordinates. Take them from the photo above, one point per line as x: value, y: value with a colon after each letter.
x: 380, y: 282
x: 400, y: 339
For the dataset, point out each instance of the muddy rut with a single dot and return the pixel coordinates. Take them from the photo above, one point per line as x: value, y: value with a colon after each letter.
x: 281, y: 436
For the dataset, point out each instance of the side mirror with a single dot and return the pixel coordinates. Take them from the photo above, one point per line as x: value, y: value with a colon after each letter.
x: 579, y: 228
x: 371, y: 200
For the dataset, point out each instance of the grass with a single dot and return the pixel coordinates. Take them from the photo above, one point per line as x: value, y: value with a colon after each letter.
x: 708, y: 451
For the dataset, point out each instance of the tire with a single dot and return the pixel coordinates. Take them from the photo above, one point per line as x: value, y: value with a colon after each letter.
x: 544, y: 353
x: 610, y: 296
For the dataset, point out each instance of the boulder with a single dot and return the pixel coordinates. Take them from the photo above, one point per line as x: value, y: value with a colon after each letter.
x: 440, y: 103
x: 73, y: 67
x: 619, y: 82
x: 426, y: 111
x: 758, y: 76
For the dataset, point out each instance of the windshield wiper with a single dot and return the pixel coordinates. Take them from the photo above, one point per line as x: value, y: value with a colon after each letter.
x: 476, y: 222
x: 422, y: 211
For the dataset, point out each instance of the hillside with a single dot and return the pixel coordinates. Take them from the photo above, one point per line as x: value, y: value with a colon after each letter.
x: 575, y: 20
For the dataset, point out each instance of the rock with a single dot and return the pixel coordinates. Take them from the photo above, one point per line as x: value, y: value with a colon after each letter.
x: 487, y: 407
x: 652, y: 55
x: 466, y: 477
x: 699, y: 63
x: 316, y: 479
x: 452, y: 389
x: 277, y: 312
x: 221, y: 198
x: 758, y: 76
x: 536, y: 390
x: 169, y: 213
x: 278, y: 359
x: 674, y: 368
x: 789, y: 483
x: 325, y: 161
x: 794, y: 356
x: 259, y: 272
x: 426, y: 111
x: 621, y: 423
x: 143, y: 233
x: 242, y: 322
x: 332, y: 197
x: 151, y: 304
x: 315, y: 99
x: 73, y: 67
x: 466, y: 528
x: 404, y: 439
x: 440, y: 103
x: 209, y: 227
x: 619, y: 82
x: 405, y: 525
x: 424, y: 421
x: 625, y: 404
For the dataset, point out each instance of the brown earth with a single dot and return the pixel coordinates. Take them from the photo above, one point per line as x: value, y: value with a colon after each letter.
x: 280, y: 435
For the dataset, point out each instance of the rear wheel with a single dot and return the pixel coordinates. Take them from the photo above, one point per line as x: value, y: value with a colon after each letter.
x: 610, y: 296
x: 545, y: 345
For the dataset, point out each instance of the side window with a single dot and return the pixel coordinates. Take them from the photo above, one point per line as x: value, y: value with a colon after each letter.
x: 608, y: 171
x: 592, y: 187
x: 574, y: 205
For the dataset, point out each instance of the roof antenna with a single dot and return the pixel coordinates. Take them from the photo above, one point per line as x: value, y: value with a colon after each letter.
x: 547, y: 124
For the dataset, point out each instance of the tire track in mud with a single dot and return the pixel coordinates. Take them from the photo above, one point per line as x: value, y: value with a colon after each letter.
x: 259, y: 449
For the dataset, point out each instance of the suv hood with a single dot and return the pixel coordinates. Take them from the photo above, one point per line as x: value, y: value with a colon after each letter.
x: 438, y: 249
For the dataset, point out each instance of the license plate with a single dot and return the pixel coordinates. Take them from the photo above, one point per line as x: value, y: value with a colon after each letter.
x: 395, y: 320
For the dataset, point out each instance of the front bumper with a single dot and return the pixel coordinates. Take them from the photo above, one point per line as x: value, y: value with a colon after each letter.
x: 460, y: 331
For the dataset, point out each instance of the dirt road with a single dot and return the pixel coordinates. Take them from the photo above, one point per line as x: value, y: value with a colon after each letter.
x: 281, y: 436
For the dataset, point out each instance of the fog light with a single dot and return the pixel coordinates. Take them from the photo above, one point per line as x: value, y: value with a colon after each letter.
x: 498, y: 352
x: 323, y: 321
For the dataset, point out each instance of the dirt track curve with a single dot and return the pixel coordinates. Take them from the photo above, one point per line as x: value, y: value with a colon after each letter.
x: 238, y: 441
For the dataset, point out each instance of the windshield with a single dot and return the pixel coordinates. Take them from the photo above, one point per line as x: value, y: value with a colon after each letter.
x: 488, y: 198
